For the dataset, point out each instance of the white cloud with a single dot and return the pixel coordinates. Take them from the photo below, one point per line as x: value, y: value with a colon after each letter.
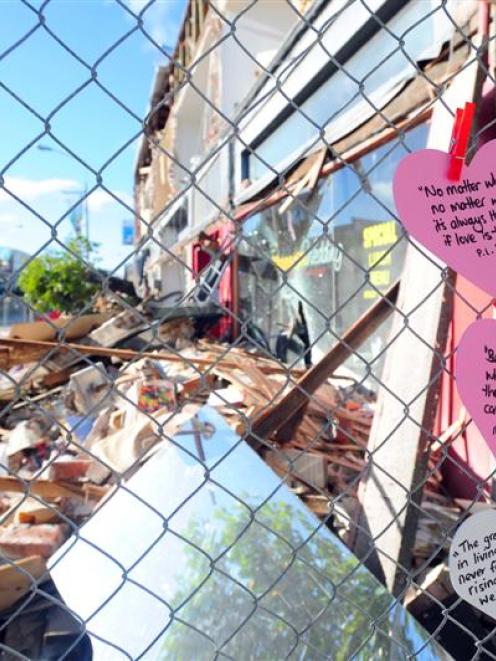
x: 29, y: 190
x: 160, y: 19
x: 8, y: 219
x: 32, y: 189
x: 100, y: 200
x: 23, y: 230
x: 137, y: 5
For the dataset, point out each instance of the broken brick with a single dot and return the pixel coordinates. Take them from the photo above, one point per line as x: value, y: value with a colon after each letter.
x: 69, y: 469
x: 22, y: 540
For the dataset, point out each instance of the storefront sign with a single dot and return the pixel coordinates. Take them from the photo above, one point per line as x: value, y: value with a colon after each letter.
x: 128, y: 232
x: 322, y: 253
x: 379, y: 235
x: 376, y: 241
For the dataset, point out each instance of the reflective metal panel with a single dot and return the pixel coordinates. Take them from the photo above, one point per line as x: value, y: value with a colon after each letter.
x: 204, y: 551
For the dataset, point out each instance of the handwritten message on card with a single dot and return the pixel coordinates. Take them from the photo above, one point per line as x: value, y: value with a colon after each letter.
x: 470, y: 221
x: 476, y: 376
x: 455, y: 220
x: 472, y: 561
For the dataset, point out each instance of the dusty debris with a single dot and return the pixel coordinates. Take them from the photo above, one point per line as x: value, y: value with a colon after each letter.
x: 105, y: 419
x: 177, y: 334
x: 88, y: 388
x: 27, y: 435
x: 117, y: 328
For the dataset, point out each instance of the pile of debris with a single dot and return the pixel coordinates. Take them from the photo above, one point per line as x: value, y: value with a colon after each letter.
x: 80, y: 414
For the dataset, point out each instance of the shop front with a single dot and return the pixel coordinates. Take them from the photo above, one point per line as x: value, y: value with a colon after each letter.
x: 334, y: 250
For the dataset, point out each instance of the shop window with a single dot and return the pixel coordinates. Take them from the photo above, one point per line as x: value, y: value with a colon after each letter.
x: 378, y: 65
x: 335, y: 251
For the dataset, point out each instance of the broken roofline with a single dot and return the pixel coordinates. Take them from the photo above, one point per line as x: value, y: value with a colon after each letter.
x: 358, y: 38
x: 387, y: 10
x: 161, y: 85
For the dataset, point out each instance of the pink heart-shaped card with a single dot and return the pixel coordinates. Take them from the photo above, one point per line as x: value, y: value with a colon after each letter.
x: 476, y: 376
x: 455, y: 220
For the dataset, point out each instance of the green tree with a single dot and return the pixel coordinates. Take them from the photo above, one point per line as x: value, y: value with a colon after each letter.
x: 59, y: 280
x: 280, y: 592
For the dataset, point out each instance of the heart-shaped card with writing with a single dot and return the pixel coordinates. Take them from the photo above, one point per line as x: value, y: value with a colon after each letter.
x: 455, y: 220
x: 476, y: 376
x: 472, y: 561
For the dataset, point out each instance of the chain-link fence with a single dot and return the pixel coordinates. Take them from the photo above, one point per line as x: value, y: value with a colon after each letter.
x: 239, y: 435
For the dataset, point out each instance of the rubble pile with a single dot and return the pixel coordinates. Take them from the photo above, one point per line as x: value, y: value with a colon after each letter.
x: 79, y: 418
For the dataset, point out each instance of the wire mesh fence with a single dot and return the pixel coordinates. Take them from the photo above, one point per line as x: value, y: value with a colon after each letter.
x: 241, y: 438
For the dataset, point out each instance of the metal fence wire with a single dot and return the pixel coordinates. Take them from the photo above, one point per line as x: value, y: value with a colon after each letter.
x: 238, y: 437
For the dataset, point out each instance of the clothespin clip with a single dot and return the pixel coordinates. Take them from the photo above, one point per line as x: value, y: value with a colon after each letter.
x: 462, y: 128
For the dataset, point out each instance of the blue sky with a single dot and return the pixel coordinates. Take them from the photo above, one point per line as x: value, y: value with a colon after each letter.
x: 42, y: 74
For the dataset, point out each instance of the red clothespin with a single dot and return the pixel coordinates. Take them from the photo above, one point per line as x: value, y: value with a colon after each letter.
x: 462, y: 128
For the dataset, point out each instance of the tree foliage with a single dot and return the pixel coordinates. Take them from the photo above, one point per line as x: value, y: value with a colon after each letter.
x: 273, y: 590
x: 58, y: 280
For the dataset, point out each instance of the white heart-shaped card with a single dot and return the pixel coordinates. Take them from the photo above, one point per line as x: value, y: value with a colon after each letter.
x: 472, y: 561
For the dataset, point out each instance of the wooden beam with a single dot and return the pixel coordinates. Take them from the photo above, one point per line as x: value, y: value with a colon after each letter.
x: 273, y: 418
x: 390, y: 493
x: 27, y: 350
x: 18, y: 577
x: 308, y: 179
x: 49, y: 489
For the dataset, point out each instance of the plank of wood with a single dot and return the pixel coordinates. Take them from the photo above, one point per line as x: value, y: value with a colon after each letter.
x: 34, y: 512
x: 47, y: 488
x: 435, y: 588
x: 17, y: 578
x: 320, y: 505
x: 14, y: 355
x: 274, y: 417
x: 29, y: 510
x: 26, y: 400
x: 264, y: 384
x: 306, y: 166
x: 34, y: 349
x: 196, y: 384
x: 4, y: 358
x: 72, y: 327
x: 390, y: 494
x: 309, y: 172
